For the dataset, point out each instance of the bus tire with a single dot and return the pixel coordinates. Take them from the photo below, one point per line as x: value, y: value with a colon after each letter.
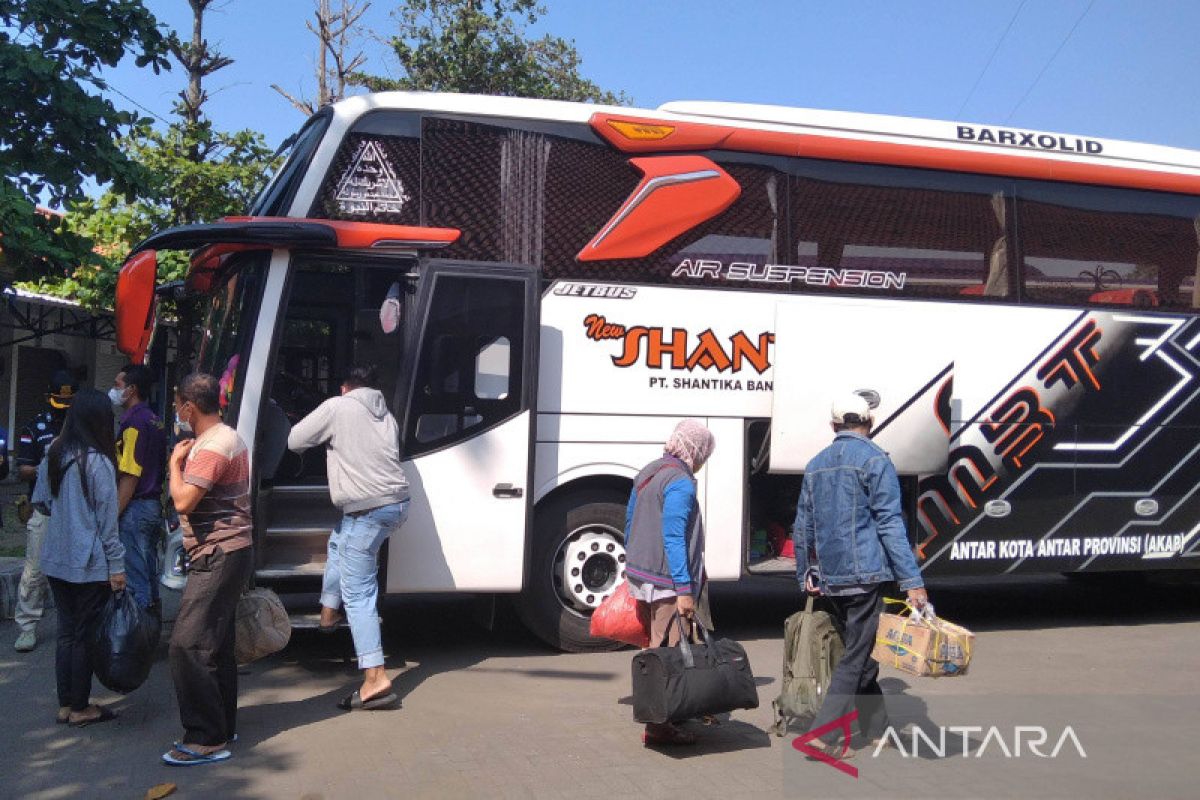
x: 588, y: 529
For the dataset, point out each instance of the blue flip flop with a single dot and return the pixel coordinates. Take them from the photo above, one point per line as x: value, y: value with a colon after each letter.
x: 195, y: 758
x: 232, y: 740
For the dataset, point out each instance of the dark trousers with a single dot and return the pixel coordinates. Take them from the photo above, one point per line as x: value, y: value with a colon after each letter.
x: 203, y: 666
x: 79, y: 606
x: 855, y: 682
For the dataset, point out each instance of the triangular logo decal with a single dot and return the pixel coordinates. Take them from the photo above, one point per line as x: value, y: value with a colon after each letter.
x: 370, y: 186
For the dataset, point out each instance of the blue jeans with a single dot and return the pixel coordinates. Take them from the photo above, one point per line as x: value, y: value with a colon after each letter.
x: 351, y: 575
x: 139, y: 529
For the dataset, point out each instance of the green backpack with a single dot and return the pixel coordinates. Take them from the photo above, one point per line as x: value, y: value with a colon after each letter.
x: 811, y: 649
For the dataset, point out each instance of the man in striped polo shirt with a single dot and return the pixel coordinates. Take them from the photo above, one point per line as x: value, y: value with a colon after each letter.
x: 210, y: 486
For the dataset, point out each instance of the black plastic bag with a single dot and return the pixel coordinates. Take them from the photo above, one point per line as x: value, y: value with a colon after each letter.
x: 123, y: 644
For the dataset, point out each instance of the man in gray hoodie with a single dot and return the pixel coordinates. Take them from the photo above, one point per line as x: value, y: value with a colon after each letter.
x: 368, y: 485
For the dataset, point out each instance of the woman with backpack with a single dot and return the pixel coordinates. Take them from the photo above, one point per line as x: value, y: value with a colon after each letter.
x: 664, y: 548
x: 82, y: 556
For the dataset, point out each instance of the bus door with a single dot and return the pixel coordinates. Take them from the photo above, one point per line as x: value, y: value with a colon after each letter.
x: 894, y: 353
x: 467, y: 393
x: 337, y: 310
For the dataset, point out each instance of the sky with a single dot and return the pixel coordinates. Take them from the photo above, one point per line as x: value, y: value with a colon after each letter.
x: 1101, y: 68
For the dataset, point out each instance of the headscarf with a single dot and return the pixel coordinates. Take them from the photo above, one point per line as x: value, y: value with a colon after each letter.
x: 691, y: 443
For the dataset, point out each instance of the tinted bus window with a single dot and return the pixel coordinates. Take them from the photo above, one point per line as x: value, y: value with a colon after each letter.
x: 727, y: 250
x: 373, y: 178
x: 461, y: 187
x: 883, y: 231
x: 519, y: 196
x: 586, y: 182
x: 1091, y: 245
x: 276, y: 198
x: 469, y: 371
x: 751, y: 232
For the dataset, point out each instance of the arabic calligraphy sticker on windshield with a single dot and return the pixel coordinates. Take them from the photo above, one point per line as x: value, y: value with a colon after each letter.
x: 370, y: 186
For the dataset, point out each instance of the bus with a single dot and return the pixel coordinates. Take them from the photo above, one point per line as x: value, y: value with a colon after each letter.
x: 549, y: 287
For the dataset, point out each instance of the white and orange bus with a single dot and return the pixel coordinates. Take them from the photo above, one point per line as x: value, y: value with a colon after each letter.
x: 570, y: 280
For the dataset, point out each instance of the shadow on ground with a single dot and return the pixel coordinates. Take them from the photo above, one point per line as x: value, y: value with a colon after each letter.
x: 756, y: 608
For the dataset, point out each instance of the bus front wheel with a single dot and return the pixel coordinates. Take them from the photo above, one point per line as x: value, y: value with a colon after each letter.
x: 578, y: 560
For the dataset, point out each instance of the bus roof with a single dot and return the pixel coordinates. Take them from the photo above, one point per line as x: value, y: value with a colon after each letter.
x: 963, y: 137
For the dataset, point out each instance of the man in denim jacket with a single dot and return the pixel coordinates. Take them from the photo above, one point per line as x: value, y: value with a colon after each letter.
x: 850, y: 541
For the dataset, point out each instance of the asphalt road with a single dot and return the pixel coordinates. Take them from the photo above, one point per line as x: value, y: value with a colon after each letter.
x: 495, y: 714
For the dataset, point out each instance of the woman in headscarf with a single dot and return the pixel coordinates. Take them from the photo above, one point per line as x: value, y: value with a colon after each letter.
x: 664, y: 547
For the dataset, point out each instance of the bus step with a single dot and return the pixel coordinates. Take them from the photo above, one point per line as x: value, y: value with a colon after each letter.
x: 300, y: 533
x: 303, y: 491
x: 773, y: 566
x: 311, y: 620
x: 278, y: 570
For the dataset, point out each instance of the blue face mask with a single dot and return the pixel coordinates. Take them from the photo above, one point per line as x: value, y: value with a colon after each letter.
x: 182, y: 426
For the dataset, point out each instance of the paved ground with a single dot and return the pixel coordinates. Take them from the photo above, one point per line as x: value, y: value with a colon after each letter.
x: 493, y: 714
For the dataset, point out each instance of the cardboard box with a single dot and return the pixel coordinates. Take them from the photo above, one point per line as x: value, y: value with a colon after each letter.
x: 923, y: 647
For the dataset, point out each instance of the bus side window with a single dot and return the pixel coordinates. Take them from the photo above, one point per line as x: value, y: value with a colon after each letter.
x: 491, y: 370
x: 911, y: 233
x: 1090, y: 245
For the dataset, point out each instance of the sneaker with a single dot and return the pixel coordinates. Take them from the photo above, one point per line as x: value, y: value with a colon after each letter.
x: 26, y: 642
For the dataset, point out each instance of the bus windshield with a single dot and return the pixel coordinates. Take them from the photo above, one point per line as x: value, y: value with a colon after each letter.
x: 297, y: 151
x: 229, y: 313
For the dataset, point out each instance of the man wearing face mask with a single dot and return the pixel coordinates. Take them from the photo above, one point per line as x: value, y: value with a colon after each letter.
x: 209, y: 479
x: 141, y: 461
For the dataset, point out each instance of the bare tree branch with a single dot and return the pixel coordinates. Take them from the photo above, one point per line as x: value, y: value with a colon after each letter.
x: 303, y: 106
x: 336, y: 32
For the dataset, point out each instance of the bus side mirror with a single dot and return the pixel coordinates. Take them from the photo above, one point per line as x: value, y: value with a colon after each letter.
x: 136, y: 304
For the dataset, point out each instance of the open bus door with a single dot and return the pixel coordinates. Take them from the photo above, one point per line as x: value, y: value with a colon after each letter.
x: 467, y: 394
x: 889, y: 353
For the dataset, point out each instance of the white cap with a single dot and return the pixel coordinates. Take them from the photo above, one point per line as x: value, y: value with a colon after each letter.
x: 850, y: 409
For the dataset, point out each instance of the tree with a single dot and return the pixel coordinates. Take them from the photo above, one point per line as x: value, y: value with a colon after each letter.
x: 335, y: 31
x: 57, y: 132
x: 191, y: 172
x: 232, y: 170
x: 480, y: 46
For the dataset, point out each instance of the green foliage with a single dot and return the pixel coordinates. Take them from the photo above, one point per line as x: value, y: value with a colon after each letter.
x: 57, y: 132
x: 480, y: 46
x: 180, y: 191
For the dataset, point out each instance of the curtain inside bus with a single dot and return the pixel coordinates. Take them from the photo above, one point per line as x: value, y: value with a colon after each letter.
x: 230, y: 313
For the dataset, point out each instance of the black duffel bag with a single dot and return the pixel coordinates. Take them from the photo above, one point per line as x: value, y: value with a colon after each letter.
x: 671, y: 684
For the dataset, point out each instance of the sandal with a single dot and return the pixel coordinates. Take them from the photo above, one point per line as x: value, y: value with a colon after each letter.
x: 63, y: 716
x: 193, y: 757
x: 337, y: 623
x: 354, y: 702
x: 104, y: 716
x: 179, y: 743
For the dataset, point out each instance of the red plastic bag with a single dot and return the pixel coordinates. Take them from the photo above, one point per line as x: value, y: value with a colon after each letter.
x: 622, y: 618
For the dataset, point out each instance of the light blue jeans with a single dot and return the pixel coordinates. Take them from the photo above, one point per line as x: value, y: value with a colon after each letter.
x: 352, y: 572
